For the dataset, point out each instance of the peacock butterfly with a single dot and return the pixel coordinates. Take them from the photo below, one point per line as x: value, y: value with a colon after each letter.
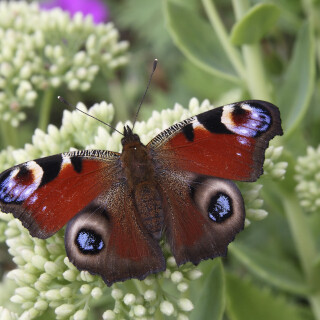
x: 118, y: 206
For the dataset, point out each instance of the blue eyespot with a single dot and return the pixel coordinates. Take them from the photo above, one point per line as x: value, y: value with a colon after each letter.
x: 89, y: 242
x: 220, y: 207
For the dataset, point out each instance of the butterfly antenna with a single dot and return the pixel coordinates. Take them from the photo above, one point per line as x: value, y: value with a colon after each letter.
x: 155, y: 62
x: 86, y: 113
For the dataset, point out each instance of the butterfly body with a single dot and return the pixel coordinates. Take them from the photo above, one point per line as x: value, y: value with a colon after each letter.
x: 139, y: 172
x: 118, y: 206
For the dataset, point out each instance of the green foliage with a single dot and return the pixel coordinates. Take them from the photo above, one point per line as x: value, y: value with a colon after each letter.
x: 216, y: 49
x: 247, y: 301
x: 190, y: 32
x: 255, y: 24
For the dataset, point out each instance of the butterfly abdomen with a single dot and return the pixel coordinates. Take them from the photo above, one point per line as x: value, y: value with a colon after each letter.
x: 139, y: 172
x: 148, y: 203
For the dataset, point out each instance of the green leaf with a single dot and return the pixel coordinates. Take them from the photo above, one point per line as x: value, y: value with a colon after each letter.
x: 316, y: 273
x: 211, y: 298
x: 197, y: 40
x: 298, y: 83
x: 280, y: 273
x: 247, y: 301
x: 255, y: 24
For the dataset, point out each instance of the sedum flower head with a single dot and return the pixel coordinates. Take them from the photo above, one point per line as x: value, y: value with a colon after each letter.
x: 42, y: 50
x: 308, y: 179
x: 46, y: 280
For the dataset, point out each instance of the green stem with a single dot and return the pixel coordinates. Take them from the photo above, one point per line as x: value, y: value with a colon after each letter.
x: 305, y: 245
x: 257, y: 82
x: 255, y: 77
x: 118, y: 100
x: 8, y: 134
x: 46, y: 105
x: 231, y: 52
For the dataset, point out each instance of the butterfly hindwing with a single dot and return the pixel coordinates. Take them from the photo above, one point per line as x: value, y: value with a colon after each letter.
x: 109, y: 239
x: 227, y: 142
x: 202, y: 215
x: 46, y: 193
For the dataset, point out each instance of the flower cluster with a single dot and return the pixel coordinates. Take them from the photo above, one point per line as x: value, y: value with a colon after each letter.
x: 164, y: 293
x: 308, y: 179
x: 45, y: 279
x: 42, y: 50
x: 272, y: 166
x: 251, y: 191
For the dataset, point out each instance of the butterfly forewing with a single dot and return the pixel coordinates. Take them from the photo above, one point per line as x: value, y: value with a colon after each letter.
x: 227, y: 142
x: 46, y: 193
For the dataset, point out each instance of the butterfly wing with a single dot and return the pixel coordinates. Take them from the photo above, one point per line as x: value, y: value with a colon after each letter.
x: 192, y: 159
x: 46, y: 193
x: 202, y: 215
x: 104, y: 235
x: 108, y: 238
x: 227, y: 142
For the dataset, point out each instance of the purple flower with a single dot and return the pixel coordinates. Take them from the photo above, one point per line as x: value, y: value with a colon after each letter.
x: 97, y: 8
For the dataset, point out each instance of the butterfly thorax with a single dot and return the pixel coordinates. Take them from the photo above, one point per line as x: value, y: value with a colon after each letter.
x: 139, y: 172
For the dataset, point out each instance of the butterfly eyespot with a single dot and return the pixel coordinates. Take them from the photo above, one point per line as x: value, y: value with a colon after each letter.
x: 220, y: 207
x: 89, y: 242
x: 218, y: 200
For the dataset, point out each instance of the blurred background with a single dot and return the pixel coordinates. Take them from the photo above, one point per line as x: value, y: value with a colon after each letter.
x: 223, y: 51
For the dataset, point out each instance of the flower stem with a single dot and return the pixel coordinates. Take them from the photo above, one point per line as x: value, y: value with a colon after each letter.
x: 45, y: 109
x: 231, y: 52
x: 305, y: 245
x: 8, y: 134
x: 255, y: 78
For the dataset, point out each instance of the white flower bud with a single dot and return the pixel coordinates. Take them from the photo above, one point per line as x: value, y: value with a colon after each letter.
x: 66, y: 292
x: 57, y: 52
x: 109, y: 315
x: 150, y: 295
x: 195, y: 274
x: 85, y: 289
x: 41, y: 305
x: 166, y: 308
x: 53, y: 294
x: 55, y: 82
x: 256, y: 214
x: 5, y: 314
x: 17, y: 299
x: 129, y: 299
x: 139, y: 310
x: 70, y: 275
x: 176, y: 276
x: 171, y: 262
x: 65, y: 310
x: 86, y: 276
x: 182, y: 287
x: 28, y: 255
x: 91, y: 42
x: 27, y: 293
x: 96, y: 293
x: 25, y: 71
x: 73, y: 84
x: 116, y: 294
x: 185, y: 305
x: 80, y: 315
x: 6, y: 69
x: 52, y: 268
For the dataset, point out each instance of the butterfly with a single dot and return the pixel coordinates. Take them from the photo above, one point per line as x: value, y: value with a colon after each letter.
x: 118, y: 206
